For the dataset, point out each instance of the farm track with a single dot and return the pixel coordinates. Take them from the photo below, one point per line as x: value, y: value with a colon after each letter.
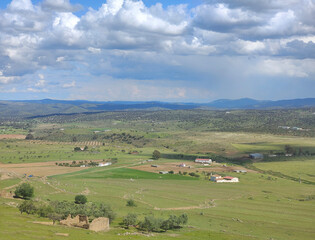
x: 201, y: 206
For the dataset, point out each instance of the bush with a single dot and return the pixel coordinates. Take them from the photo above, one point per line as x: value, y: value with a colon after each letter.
x: 130, y: 219
x: 92, y: 210
x: 174, y: 222
x: 151, y: 224
x: 29, y: 137
x: 80, y: 199
x: 131, y: 203
x: 55, y: 217
x: 25, y: 190
x: 156, y: 154
x: 44, y: 211
x: 76, y: 149
x: 28, y: 207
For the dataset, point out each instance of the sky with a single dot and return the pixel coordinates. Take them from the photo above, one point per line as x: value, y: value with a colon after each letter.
x: 178, y: 51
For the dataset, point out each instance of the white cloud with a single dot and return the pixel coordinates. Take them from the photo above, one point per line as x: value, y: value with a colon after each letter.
x: 36, y: 90
x: 21, y: 5
x: 60, y: 6
x: 290, y: 68
x: 125, y: 39
x: 69, y: 85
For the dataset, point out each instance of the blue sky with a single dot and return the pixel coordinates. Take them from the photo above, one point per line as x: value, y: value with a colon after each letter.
x: 137, y: 50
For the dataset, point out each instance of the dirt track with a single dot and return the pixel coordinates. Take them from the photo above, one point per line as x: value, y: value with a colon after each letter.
x: 12, y: 136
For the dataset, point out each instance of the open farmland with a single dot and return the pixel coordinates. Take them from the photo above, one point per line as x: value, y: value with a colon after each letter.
x: 269, y: 202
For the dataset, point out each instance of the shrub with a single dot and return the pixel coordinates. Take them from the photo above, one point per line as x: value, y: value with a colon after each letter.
x: 174, y: 222
x: 55, y: 217
x: 131, y: 203
x: 92, y: 210
x: 28, y: 207
x: 151, y: 224
x: 44, y: 211
x: 76, y: 149
x: 29, y: 137
x: 25, y: 190
x: 80, y: 199
x: 156, y: 154
x: 130, y: 219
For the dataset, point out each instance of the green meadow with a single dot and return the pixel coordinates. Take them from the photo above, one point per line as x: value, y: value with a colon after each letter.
x: 269, y: 202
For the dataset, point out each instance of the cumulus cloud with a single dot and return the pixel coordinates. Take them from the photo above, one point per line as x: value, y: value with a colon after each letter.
x: 69, y: 85
x: 125, y: 39
x: 60, y: 6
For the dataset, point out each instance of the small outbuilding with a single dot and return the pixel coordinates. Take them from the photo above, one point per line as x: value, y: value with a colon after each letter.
x: 203, y: 160
x: 256, y: 156
x: 220, y: 179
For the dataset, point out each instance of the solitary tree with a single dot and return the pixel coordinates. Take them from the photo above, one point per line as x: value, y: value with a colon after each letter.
x: 25, y: 190
x: 131, y: 203
x: 29, y: 137
x: 156, y: 154
x: 80, y: 199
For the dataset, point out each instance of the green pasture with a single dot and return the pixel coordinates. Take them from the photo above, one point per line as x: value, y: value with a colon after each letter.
x: 277, y: 145
x: 23, y: 151
x: 301, y: 167
x: 124, y: 173
x: 259, y: 207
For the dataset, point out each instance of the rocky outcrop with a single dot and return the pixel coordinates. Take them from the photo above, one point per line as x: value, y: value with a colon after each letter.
x: 81, y: 221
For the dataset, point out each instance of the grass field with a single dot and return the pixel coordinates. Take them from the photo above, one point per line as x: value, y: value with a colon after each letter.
x: 302, y: 167
x: 268, y: 203
x: 259, y: 204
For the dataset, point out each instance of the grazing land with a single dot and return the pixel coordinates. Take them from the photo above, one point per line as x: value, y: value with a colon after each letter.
x: 274, y: 198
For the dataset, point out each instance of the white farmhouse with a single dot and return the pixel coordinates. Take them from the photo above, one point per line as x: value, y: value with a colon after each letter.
x: 104, y: 164
x: 219, y: 179
x: 203, y: 160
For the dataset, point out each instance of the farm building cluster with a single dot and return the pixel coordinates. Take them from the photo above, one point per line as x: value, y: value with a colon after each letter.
x: 219, y: 179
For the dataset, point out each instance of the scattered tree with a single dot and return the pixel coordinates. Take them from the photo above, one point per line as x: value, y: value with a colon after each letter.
x: 131, y: 203
x: 80, y: 199
x: 151, y: 224
x: 129, y: 220
x: 55, y: 217
x: 44, y: 211
x: 25, y: 190
x: 28, y: 207
x: 156, y: 154
x: 29, y: 137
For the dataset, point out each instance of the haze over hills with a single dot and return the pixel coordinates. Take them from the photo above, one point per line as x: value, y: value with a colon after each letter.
x: 30, y: 108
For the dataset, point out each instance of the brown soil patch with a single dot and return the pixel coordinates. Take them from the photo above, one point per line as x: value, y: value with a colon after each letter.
x: 190, y: 167
x: 40, y: 169
x: 44, y: 223
x: 86, y: 191
x: 12, y: 136
x: 62, y: 234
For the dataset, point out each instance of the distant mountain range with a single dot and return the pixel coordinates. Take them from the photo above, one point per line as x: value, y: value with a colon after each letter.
x: 29, y: 108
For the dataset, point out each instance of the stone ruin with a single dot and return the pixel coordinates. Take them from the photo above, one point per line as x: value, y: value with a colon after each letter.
x: 6, y: 194
x: 81, y: 221
x: 99, y: 224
